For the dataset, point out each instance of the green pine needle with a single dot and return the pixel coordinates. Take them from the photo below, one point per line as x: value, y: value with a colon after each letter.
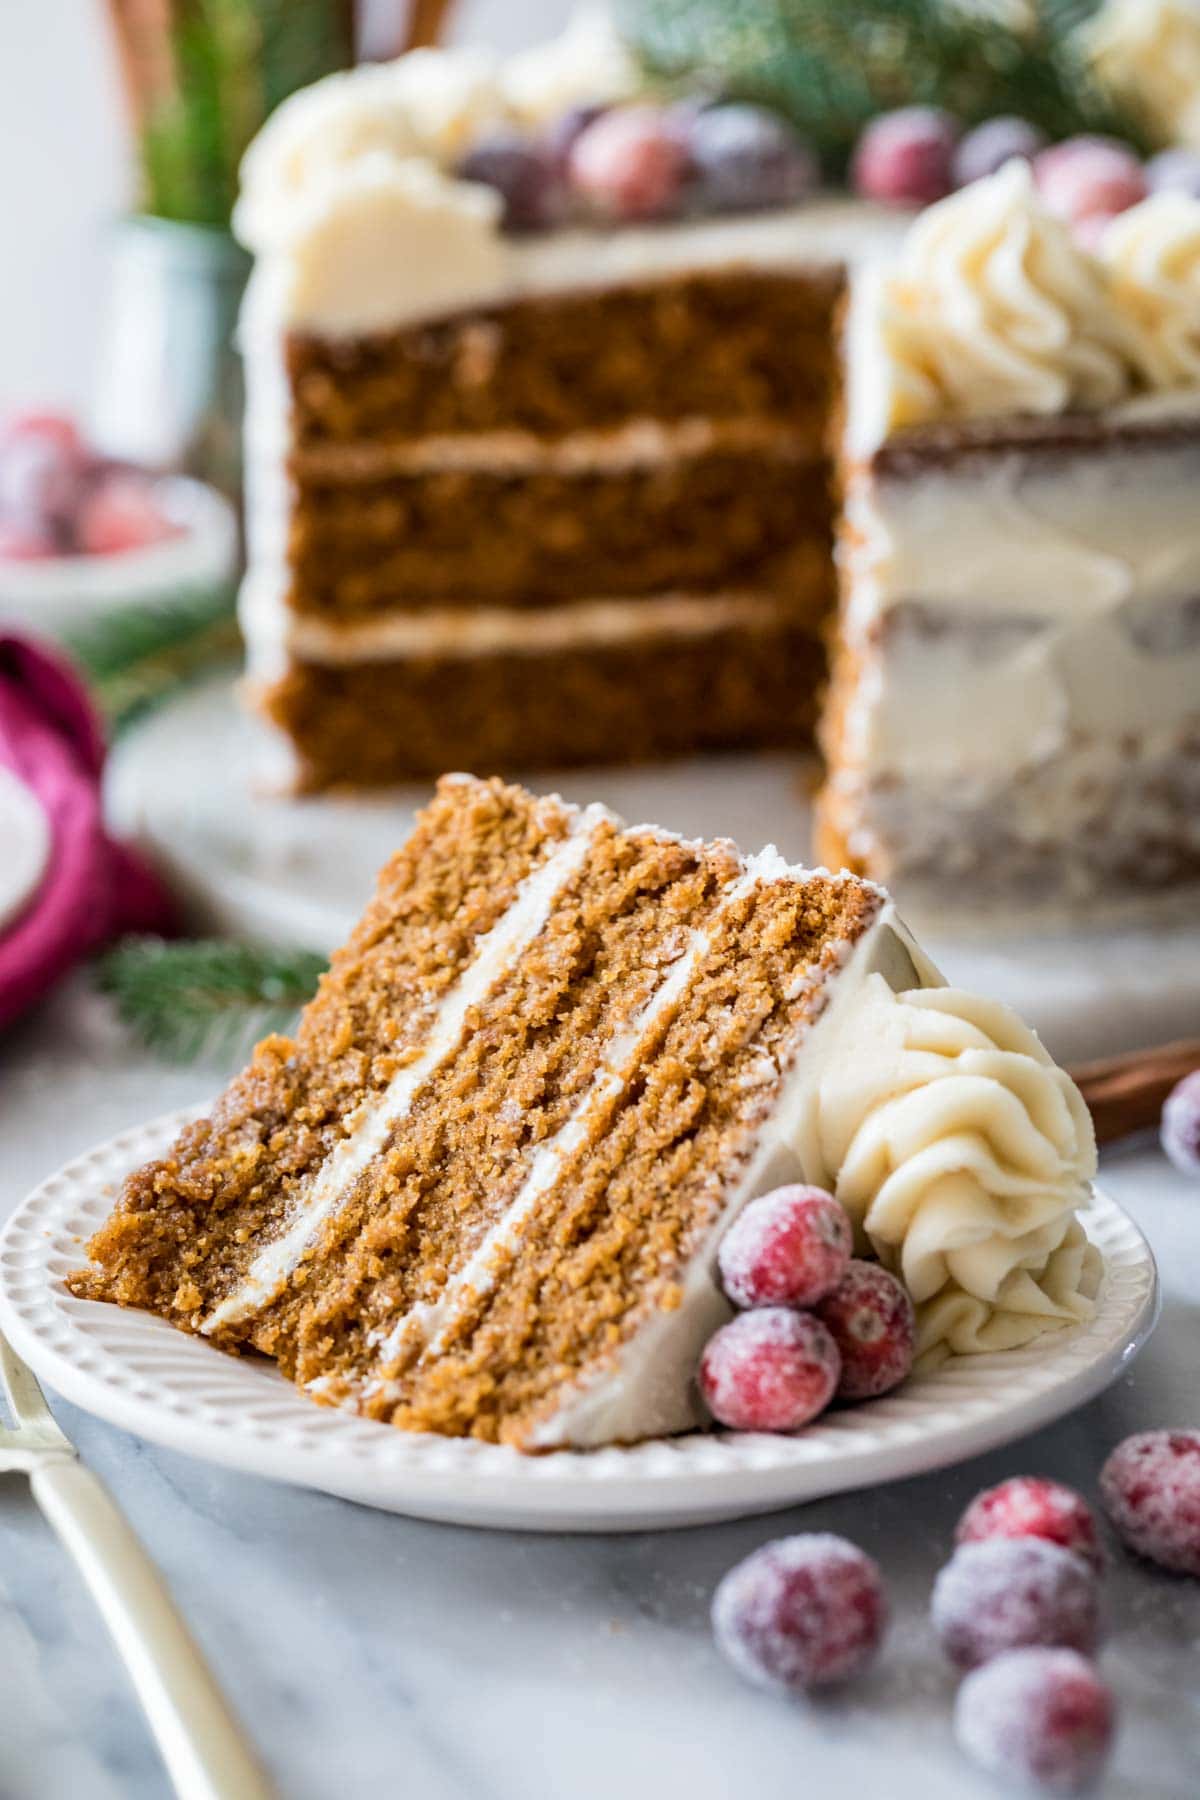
x: 206, y: 999
x: 134, y: 656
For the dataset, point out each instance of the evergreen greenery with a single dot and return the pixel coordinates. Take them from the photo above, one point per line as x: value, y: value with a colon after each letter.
x: 133, y: 656
x: 204, y: 998
x: 832, y: 64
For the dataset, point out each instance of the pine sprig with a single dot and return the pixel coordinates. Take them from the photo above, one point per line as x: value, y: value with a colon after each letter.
x: 206, y: 999
x: 134, y: 656
x: 831, y: 65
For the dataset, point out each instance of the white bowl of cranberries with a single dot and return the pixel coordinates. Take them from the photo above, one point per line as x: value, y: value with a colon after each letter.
x: 81, y: 532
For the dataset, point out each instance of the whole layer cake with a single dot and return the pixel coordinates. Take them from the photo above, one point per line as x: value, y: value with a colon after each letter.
x: 482, y: 1190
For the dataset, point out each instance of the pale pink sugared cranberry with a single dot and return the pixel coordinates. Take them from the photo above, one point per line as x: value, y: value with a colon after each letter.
x: 1011, y: 1592
x: 801, y: 1613
x: 870, y: 1318
x: 1088, y: 232
x: 1038, y: 1716
x: 629, y: 163
x: 1150, y: 1486
x: 23, y: 543
x: 790, y: 1248
x: 1033, y: 1506
x: 1179, y: 1131
x: 906, y: 157
x: 1087, y: 175
x: 122, y: 514
x: 770, y: 1370
x: 987, y: 147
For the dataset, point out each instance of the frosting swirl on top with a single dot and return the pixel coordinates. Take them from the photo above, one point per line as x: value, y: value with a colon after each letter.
x: 962, y: 1153
x: 992, y: 308
x: 1153, y: 258
x: 1147, y: 53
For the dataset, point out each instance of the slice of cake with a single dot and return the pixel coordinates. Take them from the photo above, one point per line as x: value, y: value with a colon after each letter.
x: 1015, y: 712
x: 524, y: 497
x: 482, y: 1191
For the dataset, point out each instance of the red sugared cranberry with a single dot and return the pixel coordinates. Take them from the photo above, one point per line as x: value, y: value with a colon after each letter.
x: 55, y: 427
x: 120, y: 514
x: 989, y: 146
x: 1150, y: 1486
x: 790, y: 1248
x: 1010, y: 1592
x: 1040, y: 1716
x: 523, y: 173
x: 1174, y: 172
x: 629, y: 163
x: 905, y: 157
x: 22, y: 543
x: 743, y: 157
x: 801, y: 1613
x: 770, y: 1370
x: 1033, y: 1506
x: 1087, y: 175
x: 870, y: 1318
x: 1180, y: 1130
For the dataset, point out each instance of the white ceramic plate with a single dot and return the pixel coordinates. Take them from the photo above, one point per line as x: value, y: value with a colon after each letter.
x: 262, y: 865
x: 141, y: 1374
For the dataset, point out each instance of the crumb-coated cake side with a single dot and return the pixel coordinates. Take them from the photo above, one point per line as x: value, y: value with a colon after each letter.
x: 481, y: 1192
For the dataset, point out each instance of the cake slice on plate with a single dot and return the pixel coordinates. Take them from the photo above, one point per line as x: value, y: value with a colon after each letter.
x: 482, y: 1191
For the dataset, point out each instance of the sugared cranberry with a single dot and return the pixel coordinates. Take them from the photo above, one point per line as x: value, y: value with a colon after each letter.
x: 801, y: 1613
x: 558, y: 138
x: 1180, y: 1129
x: 39, y: 484
x: 120, y: 514
x: 1088, y: 232
x: 1033, y: 1506
x: 1086, y: 175
x: 1040, y: 1716
x: 1174, y: 172
x: 770, y: 1370
x: 23, y: 543
x: 989, y: 146
x: 1010, y: 1592
x: 870, y: 1318
x: 742, y: 157
x: 905, y: 157
x: 790, y: 1248
x: 630, y: 163
x: 56, y: 427
x: 1150, y: 1486
x: 522, y: 172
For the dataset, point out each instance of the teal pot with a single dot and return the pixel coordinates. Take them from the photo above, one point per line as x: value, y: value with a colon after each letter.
x: 169, y: 387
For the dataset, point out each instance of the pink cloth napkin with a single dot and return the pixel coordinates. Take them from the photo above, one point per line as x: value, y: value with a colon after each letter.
x: 93, y: 888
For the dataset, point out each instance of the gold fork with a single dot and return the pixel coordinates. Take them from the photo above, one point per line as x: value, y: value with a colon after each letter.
x: 205, y: 1753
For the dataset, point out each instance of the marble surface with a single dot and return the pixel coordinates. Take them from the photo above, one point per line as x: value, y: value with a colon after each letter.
x: 373, y: 1655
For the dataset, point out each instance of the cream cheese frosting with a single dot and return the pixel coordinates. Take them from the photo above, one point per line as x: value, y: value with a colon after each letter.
x: 1147, y: 52
x: 1152, y: 253
x: 963, y: 1154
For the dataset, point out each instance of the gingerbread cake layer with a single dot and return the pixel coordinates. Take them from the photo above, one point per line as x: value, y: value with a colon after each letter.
x: 722, y: 344
x: 651, y: 694
x: 1015, y: 713
x: 725, y: 518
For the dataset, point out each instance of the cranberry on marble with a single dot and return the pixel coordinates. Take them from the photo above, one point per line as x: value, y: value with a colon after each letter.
x: 905, y: 157
x: 1086, y: 175
x: 1007, y: 1593
x: 1037, y: 1716
x: 630, y: 163
x: 1180, y: 1128
x: 1033, y: 1506
x: 987, y: 147
x: 870, y: 1318
x: 744, y: 156
x: 789, y: 1248
x: 522, y: 172
x: 770, y: 1370
x: 801, y: 1612
x: 1174, y: 171
x: 1150, y: 1487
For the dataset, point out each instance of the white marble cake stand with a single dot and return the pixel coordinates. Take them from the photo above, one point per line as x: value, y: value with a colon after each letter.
x: 138, y: 1373
x: 187, y: 783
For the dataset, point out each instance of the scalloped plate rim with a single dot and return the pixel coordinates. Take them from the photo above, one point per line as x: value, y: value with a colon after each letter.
x: 82, y: 1350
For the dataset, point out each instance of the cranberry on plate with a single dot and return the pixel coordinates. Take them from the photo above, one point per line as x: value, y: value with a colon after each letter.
x: 870, y: 1317
x: 906, y: 157
x: 769, y: 1370
x: 789, y: 1248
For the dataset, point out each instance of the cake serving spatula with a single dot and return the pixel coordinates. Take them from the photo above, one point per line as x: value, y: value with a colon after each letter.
x: 204, y: 1751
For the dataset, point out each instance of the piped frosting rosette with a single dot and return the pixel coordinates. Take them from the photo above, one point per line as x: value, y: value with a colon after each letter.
x: 962, y: 1153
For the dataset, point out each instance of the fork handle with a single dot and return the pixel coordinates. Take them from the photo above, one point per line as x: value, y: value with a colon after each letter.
x: 205, y: 1753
